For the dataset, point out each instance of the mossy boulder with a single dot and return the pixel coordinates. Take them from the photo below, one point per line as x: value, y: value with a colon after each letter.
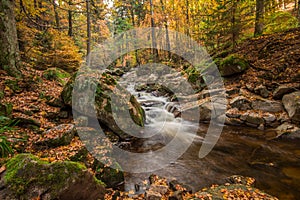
x: 232, y: 64
x: 97, y: 97
x: 112, y: 176
x: 28, y: 177
x: 56, y: 74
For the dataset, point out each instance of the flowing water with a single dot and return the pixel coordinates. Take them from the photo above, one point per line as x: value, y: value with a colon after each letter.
x: 275, y: 164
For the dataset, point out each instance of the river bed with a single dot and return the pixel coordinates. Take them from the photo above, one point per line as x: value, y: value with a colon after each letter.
x: 274, y: 163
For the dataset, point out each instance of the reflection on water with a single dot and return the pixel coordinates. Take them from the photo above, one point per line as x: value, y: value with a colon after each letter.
x: 273, y: 163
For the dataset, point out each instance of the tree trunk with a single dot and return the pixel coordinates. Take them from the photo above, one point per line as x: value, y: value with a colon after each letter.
x: 57, y: 23
x: 234, y: 29
x: 70, y: 21
x: 167, y: 29
x: 259, y: 26
x: 154, y: 45
x: 9, y: 49
x: 88, y: 31
x: 299, y: 11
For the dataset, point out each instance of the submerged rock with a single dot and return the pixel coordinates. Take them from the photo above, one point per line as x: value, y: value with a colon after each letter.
x: 27, y: 177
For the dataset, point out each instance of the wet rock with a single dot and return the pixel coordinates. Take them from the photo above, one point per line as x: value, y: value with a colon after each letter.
x: 233, y: 121
x: 291, y: 103
x: 59, y: 180
x: 233, y: 113
x: 96, y: 93
x: 252, y: 118
x: 241, y: 103
x: 269, y: 118
x: 267, y: 105
x: 58, y: 136
x: 205, y: 111
x: 262, y: 91
x: 281, y: 91
x: 289, y: 130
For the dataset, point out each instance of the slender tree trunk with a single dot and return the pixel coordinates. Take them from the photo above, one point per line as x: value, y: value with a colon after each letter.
x: 167, y: 29
x: 70, y: 20
x: 299, y: 11
x: 259, y: 26
x: 57, y: 21
x: 88, y: 31
x: 187, y: 18
x: 234, y: 26
x: 9, y: 56
x: 133, y: 24
x: 154, y: 45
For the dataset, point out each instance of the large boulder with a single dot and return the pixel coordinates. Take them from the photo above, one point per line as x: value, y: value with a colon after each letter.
x: 27, y: 177
x: 291, y: 103
x: 97, y: 95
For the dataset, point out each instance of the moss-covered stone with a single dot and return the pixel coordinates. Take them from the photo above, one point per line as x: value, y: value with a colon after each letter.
x: 232, y: 64
x: 112, y: 176
x: 56, y: 74
x: 96, y: 92
x: 27, y: 177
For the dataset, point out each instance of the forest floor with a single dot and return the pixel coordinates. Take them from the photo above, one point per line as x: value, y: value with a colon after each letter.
x: 274, y: 59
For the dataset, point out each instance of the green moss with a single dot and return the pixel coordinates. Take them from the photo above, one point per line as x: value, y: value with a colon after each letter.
x: 111, y: 176
x: 232, y: 64
x: 56, y: 74
x: 138, y: 118
x: 234, y: 60
x: 25, y: 169
x: 13, y: 84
